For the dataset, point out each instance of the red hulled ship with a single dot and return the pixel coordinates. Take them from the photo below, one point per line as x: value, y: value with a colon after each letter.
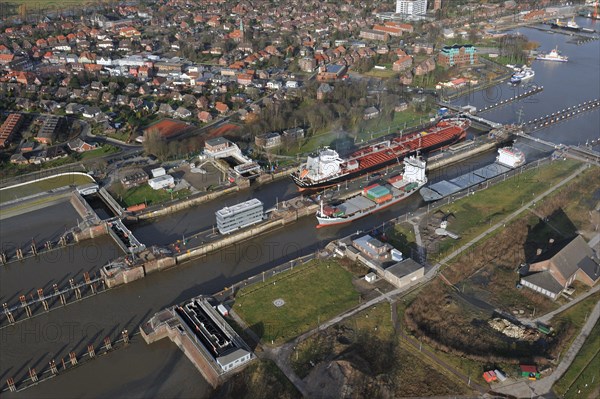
x: 325, y: 168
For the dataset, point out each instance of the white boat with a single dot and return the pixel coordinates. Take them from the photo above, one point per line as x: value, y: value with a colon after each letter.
x: 553, y: 55
x: 521, y: 75
x: 511, y: 157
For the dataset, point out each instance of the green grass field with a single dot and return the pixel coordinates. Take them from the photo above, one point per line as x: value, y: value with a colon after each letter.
x: 147, y: 194
x: 577, y: 381
x: 100, y: 152
x: 474, y: 214
x: 10, y: 194
x: 313, y: 293
x: 402, y: 237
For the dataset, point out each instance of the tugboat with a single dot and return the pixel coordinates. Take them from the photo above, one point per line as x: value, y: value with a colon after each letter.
x: 553, y: 55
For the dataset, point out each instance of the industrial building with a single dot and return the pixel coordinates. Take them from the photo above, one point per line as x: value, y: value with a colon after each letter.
x: 242, y: 215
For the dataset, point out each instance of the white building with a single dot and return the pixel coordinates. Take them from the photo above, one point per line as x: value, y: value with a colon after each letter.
x: 161, y: 182
x: 239, y: 216
x: 156, y: 172
x: 411, y: 7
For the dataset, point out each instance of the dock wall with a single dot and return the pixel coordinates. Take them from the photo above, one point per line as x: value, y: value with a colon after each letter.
x: 91, y: 232
x: 460, y: 156
x: 180, y: 205
x: 229, y: 240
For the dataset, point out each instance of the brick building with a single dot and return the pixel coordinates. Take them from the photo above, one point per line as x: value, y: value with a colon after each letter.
x: 458, y: 55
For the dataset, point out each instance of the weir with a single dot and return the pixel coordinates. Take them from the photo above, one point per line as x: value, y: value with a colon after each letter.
x: 562, y: 115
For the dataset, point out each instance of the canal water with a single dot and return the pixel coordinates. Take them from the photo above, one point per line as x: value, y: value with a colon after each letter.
x: 161, y: 369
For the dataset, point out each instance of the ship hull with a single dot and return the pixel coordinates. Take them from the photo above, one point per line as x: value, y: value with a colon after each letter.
x: 330, y: 221
x: 550, y: 59
x: 565, y: 27
x: 307, y: 185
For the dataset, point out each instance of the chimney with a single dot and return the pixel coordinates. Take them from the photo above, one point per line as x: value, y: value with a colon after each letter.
x: 538, y: 251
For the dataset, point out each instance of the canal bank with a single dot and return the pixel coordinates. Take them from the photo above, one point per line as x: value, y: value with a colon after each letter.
x: 146, y: 371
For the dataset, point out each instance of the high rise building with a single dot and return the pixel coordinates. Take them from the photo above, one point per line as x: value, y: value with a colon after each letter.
x: 411, y: 7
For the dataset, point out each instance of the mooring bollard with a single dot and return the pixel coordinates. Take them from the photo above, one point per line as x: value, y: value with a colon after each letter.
x: 33, y: 375
x: 107, y: 344
x: 91, y: 351
x: 11, y: 384
x: 53, y: 367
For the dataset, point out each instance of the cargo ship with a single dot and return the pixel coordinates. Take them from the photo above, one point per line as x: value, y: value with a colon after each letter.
x: 553, y: 55
x: 326, y: 168
x: 508, y: 158
x: 571, y: 25
x: 377, y: 196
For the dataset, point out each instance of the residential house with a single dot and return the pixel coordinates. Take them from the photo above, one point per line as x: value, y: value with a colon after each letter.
x: 182, y: 112
x: 268, y: 140
x: 402, y: 63
x: 222, y: 108
x: 78, y: 145
x: 370, y: 113
x: 204, y: 116
x: 557, y: 268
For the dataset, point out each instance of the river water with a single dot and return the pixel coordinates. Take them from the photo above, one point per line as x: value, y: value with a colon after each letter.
x: 161, y: 370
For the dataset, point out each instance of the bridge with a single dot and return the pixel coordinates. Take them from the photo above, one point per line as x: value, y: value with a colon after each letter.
x: 482, y: 121
x: 110, y: 202
x: 123, y: 236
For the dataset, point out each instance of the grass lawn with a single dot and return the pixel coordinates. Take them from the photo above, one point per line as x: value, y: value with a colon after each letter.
x: 379, y: 127
x: 476, y: 213
x: 583, y: 370
x: 121, y: 136
x: 381, y: 73
x: 147, y: 194
x: 99, y: 152
x: 576, y: 315
x: 35, y: 187
x: 313, y: 293
x: 402, y: 237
